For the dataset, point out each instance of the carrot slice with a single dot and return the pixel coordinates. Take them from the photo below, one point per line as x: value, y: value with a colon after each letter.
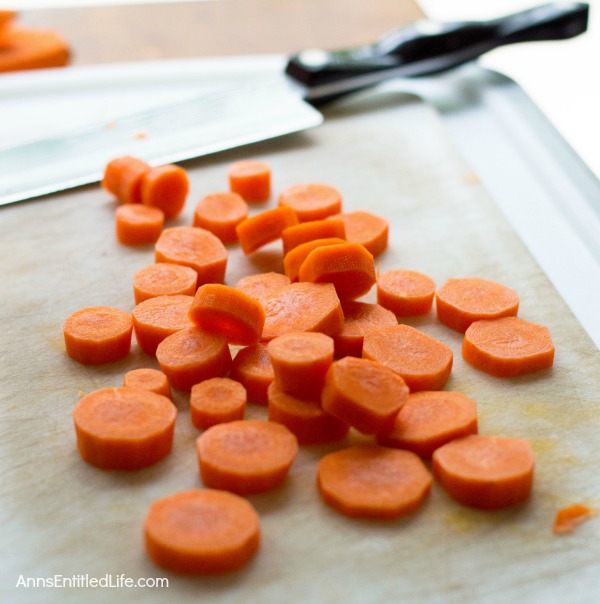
x: 98, y: 334
x: 309, y: 231
x: 365, y: 228
x: 405, y: 293
x: 256, y: 286
x: 136, y: 224
x: 349, y: 266
x: 202, y: 532
x: 147, y: 378
x: 190, y: 356
x: 486, y: 472
x: 508, y: 347
x: 165, y: 187
x: 300, y: 361
x: 228, y: 311
x: 216, y: 401
x: 194, y: 247
x: 6, y: 17
x: 363, y: 393
x: 359, y: 318
x: 124, y: 428
x: 260, y: 229
x: 156, y: 318
x: 246, y: 457
x: 567, y: 519
x: 32, y: 48
x: 312, y: 201
x: 430, y: 419
x: 373, y: 482
x: 293, y: 260
x: 423, y: 362
x: 123, y: 178
x: 251, y: 179
x: 220, y: 213
x: 164, y: 279
x: 252, y: 368
x: 305, y: 419
x: 302, y: 307
x: 460, y: 302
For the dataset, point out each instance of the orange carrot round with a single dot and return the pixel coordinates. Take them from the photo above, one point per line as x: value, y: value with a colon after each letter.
x: 430, y: 419
x: 263, y: 228
x: 159, y: 317
x: 220, y: 213
x: 293, y: 260
x: 98, y: 334
x: 164, y: 279
x: 423, y: 362
x: 567, y: 519
x: 366, y: 229
x: 165, y: 187
x: 312, y: 201
x: 123, y: 178
x: 202, y: 532
x: 245, y: 457
x: 309, y: 231
x: 460, y: 302
x: 147, y: 378
x: 251, y: 179
x: 124, y: 428
x: 305, y: 419
x: 136, y: 224
x: 300, y: 361
x: 216, y: 401
x: 349, y: 266
x: 364, y: 394
x: 486, y: 472
x: 191, y: 355
x: 252, y: 368
x: 508, y: 347
x: 256, y: 286
x: 405, y: 293
x: 229, y: 312
x: 373, y: 482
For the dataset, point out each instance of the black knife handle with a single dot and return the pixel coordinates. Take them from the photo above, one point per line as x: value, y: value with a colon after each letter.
x: 427, y: 47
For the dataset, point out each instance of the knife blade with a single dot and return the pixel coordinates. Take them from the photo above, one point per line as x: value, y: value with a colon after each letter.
x: 232, y: 115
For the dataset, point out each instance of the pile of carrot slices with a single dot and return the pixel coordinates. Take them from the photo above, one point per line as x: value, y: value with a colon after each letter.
x: 304, y: 345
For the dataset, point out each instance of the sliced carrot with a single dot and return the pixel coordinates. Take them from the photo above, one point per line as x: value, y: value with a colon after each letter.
x: 31, y: 48
x: 312, y: 201
x: 260, y: 229
x: 229, y: 312
x: 302, y: 307
x: 147, y: 378
x: 424, y: 362
x: 359, y: 318
x: 98, y: 334
x: 300, y: 361
x: 6, y: 17
x: 486, y: 472
x: 309, y: 231
x: 365, y: 394
x: 245, y: 457
x: 165, y: 187
x: 567, y: 519
x: 124, y: 428
x: 190, y: 356
x: 251, y: 179
x: 156, y: 318
x: 508, y: 347
x: 252, y: 368
x: 194, y: 247
x: 373, y: 482
x: 405, y: 293
x: 365, y: 228
x: 136, y: 224
x: 220, y: 213
x: 202, y: 532
x: 430, y: 419
x: 256, y: 286
x: 305, y: 419
x: 293, y: 260
x: 460, y: 302
x: 123, y: 178
x: 216, y: 401
x: 164, y: 279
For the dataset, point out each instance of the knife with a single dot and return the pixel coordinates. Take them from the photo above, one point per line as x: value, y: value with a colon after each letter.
x: 233, y: 115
